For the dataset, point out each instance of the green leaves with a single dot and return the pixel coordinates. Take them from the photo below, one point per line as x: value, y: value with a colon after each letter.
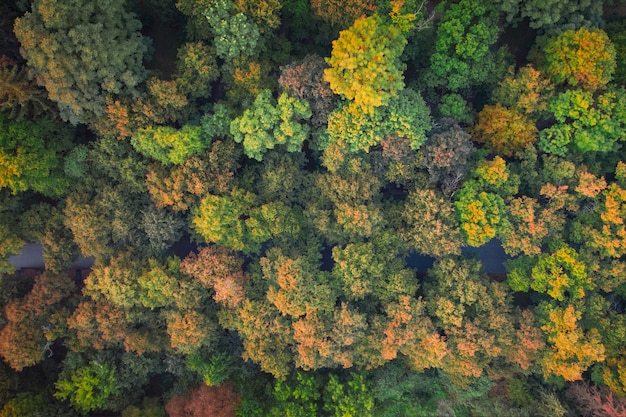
x: 89, y: 387
x: 267, y: 124
x: 168, y: 145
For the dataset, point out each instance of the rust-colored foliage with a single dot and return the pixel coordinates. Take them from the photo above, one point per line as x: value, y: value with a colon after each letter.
x: 342, y: 13
x: 528, y: 91
x: 595, y: 401
x: 304, y: 80
x: 504, y: 131
x: 528, y: 341
x: 205, y: 401
x: 31, y: 321
x: 218, y: 268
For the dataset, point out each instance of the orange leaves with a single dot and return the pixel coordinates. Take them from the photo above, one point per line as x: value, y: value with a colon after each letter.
x: 504, y: 131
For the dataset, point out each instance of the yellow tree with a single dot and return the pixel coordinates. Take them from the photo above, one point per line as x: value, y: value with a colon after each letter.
x: 572, y: 351
x: 365, y: 64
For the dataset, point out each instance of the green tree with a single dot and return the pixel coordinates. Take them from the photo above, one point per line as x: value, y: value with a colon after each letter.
x: 553, y: 16
x: 31, y: 156
x: 373, y: 268
x: 267, y: 124
x: 406, y: 115
x: 68, y: 46
x: 365, y: 65
x: 352, y: 398
x: 561, y: 274
x: 234, y: 34
x: 463, y: 55
x: 89, y: 388
x: 169, y: 145
x: 585, y: 122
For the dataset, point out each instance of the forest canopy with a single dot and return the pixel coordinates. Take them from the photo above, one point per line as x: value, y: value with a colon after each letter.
x: 313, y: 208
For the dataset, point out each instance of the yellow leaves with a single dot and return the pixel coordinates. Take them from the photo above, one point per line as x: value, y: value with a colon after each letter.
x: 572, y: 350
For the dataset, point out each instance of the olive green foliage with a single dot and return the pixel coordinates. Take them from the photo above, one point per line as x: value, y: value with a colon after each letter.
x: 406, y: 116
x: 269, y: 123
x: 463, y: 55
x: 31, y: 156
x: 550, y: 16
x: 365, y: 65
x: 80, y: 51
x: 234, y: 33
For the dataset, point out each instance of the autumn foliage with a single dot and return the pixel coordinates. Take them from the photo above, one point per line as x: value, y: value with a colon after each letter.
x: 205, y: 401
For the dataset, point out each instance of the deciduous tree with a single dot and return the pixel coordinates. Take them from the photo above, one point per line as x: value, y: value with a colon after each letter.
x: 582, y: 58
x: 365, y: 65
x: 68, y: 46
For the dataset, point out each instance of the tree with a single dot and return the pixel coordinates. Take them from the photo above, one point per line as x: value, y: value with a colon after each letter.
x: 365, y: 63
x: 234, y: 34
x: 553, y: 16
x: 267, y: 124
x: 560, y: 274
x: 480, y: 202
x: 583, y: 58
x: 342, y: 14
x: 203, y: 401
x: 475, y: 314
x: 304, y: 80
x: 168, y: 145
x: 527, y: 91
x: 463, y: 55
x: 409, y: 330
x: 430, y: 225
x: 196, y: 69
x: 406, y: 116
x: 504, y: 131
x: 31, y: 156
x: 181, y: 187
x: 446, y: 154
x: 35, y: 320
x: 89, y: 387
x: 352, y: 398
x: 20, y: 96
x: 585, y: 123
x: 220, y: 269
x: 68, y: 46
x: 296, y: 286
x: 482, y: 215
x: 373, y: 268
x: 595, y: 401
x: 529, y: 226
x: 573, y: 350
x: 11, y: 245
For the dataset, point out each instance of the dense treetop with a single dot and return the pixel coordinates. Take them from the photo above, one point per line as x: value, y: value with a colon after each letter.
x: 256, y: 182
